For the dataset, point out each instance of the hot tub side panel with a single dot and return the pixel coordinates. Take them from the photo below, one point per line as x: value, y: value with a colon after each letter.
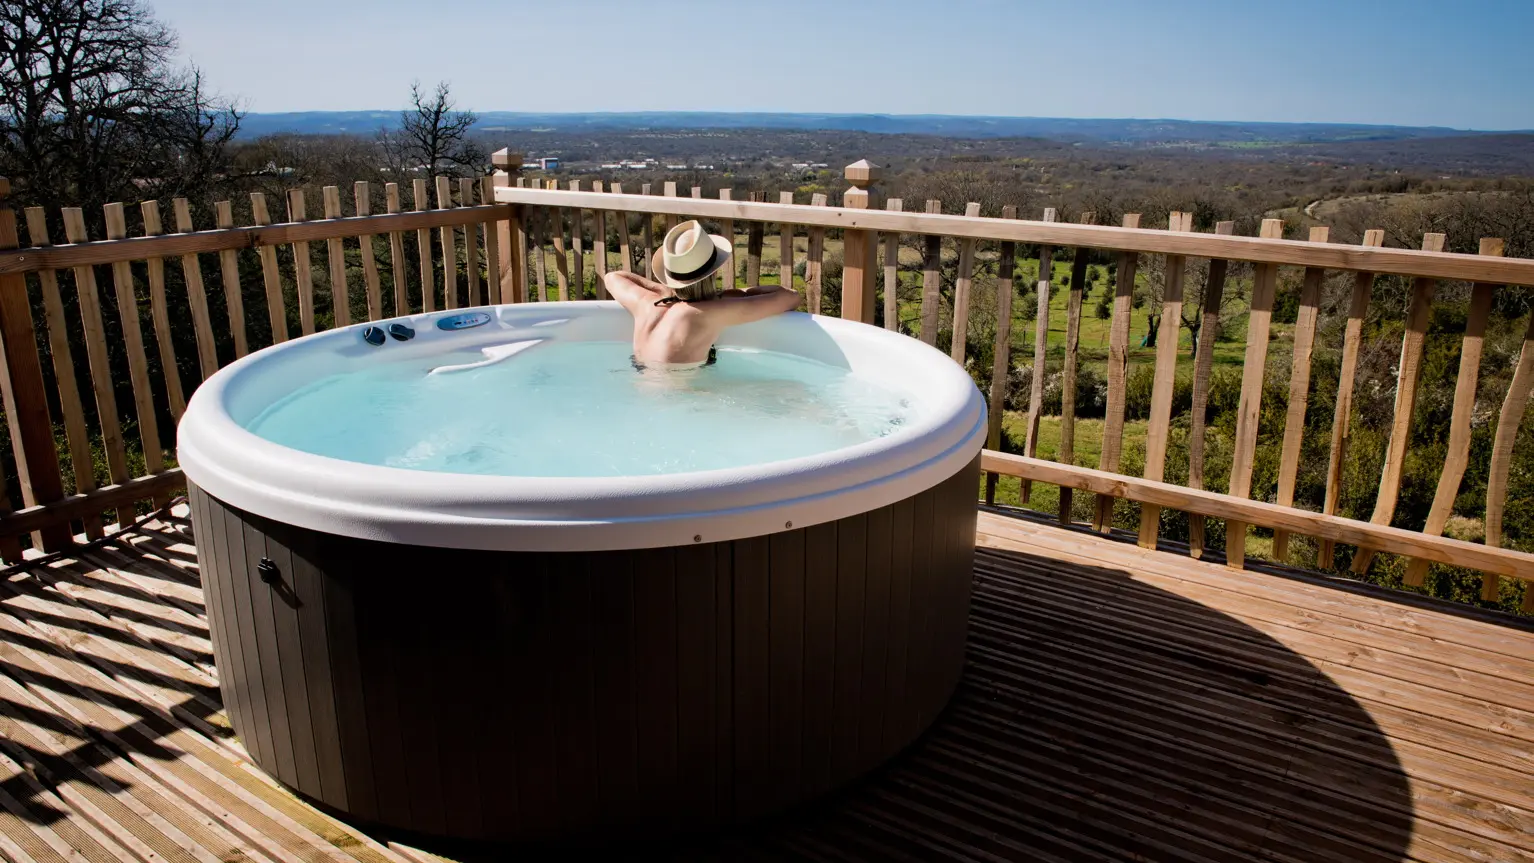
x: 513, y: 695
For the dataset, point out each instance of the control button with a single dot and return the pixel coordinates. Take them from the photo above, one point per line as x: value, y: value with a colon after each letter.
x: 373, y: 336
x: 463, y: 321
x: 401, y: 332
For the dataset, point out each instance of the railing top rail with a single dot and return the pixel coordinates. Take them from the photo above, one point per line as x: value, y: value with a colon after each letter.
x: 1407, y: 262
x: 60, y: 257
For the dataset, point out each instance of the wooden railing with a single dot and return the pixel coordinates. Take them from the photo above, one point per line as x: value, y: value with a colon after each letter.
x: 118, y: 407
x: 862, y: 229
x: 507, y: 241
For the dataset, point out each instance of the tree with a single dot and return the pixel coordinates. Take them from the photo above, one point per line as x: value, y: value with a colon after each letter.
x: 93, y: 109
x: 433, y: 135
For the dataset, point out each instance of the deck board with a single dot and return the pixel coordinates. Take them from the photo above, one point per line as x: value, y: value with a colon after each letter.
x: 1118, y: 703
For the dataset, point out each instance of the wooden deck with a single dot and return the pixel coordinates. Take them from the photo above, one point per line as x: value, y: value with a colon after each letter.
x: 1118, y: 704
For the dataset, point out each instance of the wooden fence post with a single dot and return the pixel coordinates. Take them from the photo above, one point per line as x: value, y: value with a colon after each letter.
x: 1165, y: 380
x: 1408, y: 374
x: 858, y: 247
x: 512, y: 233
x: 1002, y: 359
x: 1118, y: 361
x: 1249, y: 410
x: 1040, y: 354
x: 26, y: 396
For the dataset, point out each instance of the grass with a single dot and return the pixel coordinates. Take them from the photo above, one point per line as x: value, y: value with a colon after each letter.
x: 1088, y: 452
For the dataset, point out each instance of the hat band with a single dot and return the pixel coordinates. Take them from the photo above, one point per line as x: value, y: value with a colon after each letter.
x: 697, y: 271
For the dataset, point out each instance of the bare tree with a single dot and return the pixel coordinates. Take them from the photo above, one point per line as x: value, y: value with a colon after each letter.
x: 433, y: 135
x: 93, y: 108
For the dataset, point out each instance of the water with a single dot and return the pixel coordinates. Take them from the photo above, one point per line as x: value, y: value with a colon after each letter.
x: 580, y: 409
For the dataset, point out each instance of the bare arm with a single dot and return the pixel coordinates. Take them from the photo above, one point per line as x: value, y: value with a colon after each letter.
x: 753, y: 304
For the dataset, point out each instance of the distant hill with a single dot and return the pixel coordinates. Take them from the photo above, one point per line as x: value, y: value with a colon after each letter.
x: 1098, y: 131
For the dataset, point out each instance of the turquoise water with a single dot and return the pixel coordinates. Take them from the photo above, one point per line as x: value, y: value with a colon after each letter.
x: 580, y: 409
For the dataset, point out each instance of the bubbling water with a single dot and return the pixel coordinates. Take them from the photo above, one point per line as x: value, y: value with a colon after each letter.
x: 580, y: 409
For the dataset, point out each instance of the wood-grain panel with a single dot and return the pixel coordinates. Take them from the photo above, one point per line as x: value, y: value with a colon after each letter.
x: 554, y: 694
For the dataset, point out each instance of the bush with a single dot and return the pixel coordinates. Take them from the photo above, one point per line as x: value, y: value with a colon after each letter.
x: 1029, y: 308
x: 1141, y: 384
x: 1091, y: 391
x: 1224, y: 397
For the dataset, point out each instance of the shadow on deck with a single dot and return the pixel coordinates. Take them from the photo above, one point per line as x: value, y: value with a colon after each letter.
x: 1117, y: 704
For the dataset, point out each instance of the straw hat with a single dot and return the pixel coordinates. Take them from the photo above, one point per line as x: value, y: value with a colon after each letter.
x: 688, y: 255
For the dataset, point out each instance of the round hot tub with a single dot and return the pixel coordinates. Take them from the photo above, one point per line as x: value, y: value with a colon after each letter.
x: 524, y: 636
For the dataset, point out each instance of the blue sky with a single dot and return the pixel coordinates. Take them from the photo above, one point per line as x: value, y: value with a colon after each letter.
x: 1467, y: 64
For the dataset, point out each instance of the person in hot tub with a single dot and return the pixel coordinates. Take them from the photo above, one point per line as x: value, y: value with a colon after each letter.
x: 678, y: 316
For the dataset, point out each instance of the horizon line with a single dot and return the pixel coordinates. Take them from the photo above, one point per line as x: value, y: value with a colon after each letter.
x: 880, y: 114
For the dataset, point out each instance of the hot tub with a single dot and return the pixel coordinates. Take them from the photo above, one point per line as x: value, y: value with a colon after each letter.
x: 493, y: 657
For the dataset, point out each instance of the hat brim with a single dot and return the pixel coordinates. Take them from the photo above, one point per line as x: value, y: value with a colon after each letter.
x: 723, y: 251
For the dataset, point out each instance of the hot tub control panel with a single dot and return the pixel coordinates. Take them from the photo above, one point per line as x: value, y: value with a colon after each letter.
x: 463, y: 321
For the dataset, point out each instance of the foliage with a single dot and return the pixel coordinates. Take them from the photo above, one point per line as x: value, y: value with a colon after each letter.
x: 93, y: 108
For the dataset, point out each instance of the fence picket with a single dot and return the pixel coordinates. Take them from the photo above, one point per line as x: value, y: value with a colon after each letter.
x: 1508, y: 421
x: 423, y: 248
x: 229, y: 274
x: 556, y: 216
x: 493, y: 239
x: 539, y: 217
x: 89, y: 295
x: 449, y: 246
x: 1299, y: 389
x: 1001, y: 366
x: 730, y: 280
x: 1040, y: 355
x: 815, y: 261
x: 1068, y: 371
x: 1408, y: 373
x: 1165, y: 380
x: 133, y: 346
x: 892, y: 271
x: 470, y: 244
x: 335, y: 256
x: 577, y: 248
x: 599, y: 247
x: 1203, y: 367
x: 75, y: 431
x: 931, y: 280
x: 1363, y: 285
x: 647, y: 221
x: 786, y: 246
x: 1118, y: 358
x: 397, y: 271
x: 754, y: 238
x: 362, y: 200
x: 962, y: 286
x: 1458, y: 455
x: 303, y: 264
x: 625, y: 252
x: 1249, y: 411
x: 276, y: 309
x: 196, y: 295
x: 159, y: 312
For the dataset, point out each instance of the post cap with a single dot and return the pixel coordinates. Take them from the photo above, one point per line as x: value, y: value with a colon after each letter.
x: 506, y: 160
x: 862, y: 172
